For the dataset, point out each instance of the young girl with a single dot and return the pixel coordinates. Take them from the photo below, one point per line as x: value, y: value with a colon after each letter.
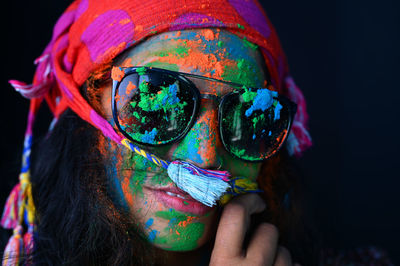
x: 165, y: 111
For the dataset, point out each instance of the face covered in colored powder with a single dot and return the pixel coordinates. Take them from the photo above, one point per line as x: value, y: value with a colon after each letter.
x: 171, y: 219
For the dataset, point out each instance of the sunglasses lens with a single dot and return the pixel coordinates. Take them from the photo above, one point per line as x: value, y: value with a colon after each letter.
x: 154, y: 108
x: 254, y: 124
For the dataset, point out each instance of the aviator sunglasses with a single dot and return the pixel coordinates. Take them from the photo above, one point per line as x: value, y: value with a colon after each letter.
x: 154, y: 107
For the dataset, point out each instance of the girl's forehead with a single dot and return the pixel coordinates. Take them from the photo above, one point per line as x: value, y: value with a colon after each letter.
x: 209, y: 52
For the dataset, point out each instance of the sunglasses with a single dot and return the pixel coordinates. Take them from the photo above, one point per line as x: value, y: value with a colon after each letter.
x: 154, y: 107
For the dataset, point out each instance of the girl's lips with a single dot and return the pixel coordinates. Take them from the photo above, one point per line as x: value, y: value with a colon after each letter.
x: 177, y: 199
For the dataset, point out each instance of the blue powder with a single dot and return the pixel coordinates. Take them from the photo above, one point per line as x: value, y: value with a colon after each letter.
x: 277, y: 111
x: 153, y: 235
x: 148, y: 137
x: 172, y: 98
x: 172, y: 222
x: 148, y: 223
x: 254, y: 136
x: 263, y: 100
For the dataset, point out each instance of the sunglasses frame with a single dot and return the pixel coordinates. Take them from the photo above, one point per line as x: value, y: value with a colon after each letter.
x: 181, y: 76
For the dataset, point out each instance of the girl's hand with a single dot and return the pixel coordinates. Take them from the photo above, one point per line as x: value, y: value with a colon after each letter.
x: 263, y: 246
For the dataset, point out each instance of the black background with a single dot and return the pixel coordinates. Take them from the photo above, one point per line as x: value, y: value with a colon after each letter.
x: 343, y: 54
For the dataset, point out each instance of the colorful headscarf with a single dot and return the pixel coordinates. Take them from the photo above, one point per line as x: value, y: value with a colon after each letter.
x: 91, y: 33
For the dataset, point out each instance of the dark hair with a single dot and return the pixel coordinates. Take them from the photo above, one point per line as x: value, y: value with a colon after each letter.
x: 77, y: 223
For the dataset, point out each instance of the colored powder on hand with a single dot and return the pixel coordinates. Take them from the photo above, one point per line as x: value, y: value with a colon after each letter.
x: 263, y: 100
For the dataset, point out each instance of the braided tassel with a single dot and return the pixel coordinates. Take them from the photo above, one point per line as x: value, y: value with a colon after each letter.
x: 205, y: 186
x: 10, y: 218
x: 239, y: 185
x: 28, y: 243
x: 20, y: 202
x: 14, y: 249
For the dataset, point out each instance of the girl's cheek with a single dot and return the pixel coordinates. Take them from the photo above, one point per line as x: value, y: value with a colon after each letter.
x: 240, y: 168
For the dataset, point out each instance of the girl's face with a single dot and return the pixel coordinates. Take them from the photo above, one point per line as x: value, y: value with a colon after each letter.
x: 170, y: 219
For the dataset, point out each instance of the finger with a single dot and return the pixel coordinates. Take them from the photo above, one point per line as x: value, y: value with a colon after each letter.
x: 234, y: 222
x: 263, y: 245
x: 283, y: 257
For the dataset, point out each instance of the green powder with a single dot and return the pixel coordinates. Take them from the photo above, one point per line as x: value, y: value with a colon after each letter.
x: 179, y: 237
x: 179, y: 51
x: 135, y: 114
x: 248, y: 95
x: 144, y: 87
x: 150, y: 102
x: 220, y: 43
x: 141, y: 71
x: 139, y: 177
x: 164, y: 65
x: 243, y: 73
x: 250, y: 44
x: 257, y: 119
x: 240, y: 26
x: 240, y: 154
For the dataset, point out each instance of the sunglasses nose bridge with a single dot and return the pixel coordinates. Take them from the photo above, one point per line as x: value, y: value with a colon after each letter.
x: 201, y: 143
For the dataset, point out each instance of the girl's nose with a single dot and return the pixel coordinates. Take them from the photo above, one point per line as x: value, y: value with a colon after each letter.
x: 201, y: 143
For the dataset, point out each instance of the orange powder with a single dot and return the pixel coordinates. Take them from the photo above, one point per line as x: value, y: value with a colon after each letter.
x: 206, y: 152
x: 208, y: 34
x: 130, y: 87
x: 124, y: 21
x: 117, y: 74
x: 189, y: 220
x: 127, y: 62
x: 127, y: 193
x: 197, y: 59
